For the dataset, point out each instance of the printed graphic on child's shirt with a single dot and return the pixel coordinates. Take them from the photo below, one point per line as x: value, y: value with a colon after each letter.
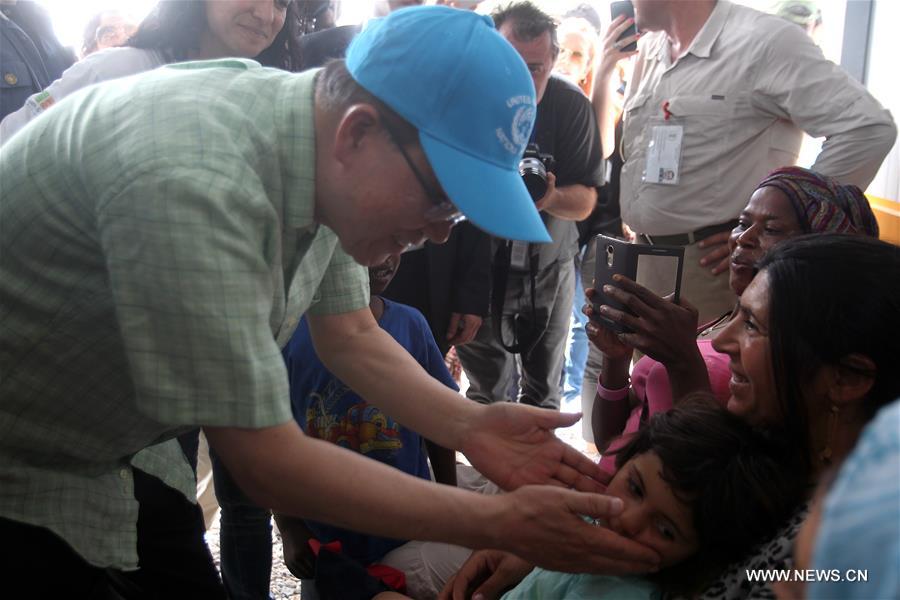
x: 358, y: 426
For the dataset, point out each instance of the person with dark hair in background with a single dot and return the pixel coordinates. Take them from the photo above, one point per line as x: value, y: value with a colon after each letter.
x: 534, y: 284
x: 175, y: 31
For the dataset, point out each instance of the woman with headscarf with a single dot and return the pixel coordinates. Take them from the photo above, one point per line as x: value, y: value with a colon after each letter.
x: 790, y: 201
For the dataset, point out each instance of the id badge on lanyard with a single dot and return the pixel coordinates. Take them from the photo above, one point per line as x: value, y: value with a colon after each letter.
x: 664, y: 151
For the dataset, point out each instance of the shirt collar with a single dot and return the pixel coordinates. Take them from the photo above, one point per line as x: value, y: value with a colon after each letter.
x: 298, y: 145
x: 703, y: 42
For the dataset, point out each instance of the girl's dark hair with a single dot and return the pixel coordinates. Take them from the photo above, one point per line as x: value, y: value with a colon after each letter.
x: 738, y: 481
x: 830, y: 296
x: 174, y: 27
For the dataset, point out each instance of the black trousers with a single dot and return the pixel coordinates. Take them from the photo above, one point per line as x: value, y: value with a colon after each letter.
x: 174, y: 561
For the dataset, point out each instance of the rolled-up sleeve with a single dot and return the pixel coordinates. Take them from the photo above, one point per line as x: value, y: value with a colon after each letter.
x: 344, y: 287
x: 798, y: 84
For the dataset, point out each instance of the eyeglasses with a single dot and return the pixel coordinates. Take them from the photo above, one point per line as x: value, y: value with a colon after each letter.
x: 114, y: 30
x: 443, y: 210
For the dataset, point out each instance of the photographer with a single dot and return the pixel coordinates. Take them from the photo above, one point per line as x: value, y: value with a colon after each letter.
x: 534, y: 283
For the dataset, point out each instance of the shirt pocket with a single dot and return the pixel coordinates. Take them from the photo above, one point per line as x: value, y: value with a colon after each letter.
x: 15, y: 74
x: 636, y: 103
x: 635, y: 117
x: 16, y: 85
x: 706, y: 106
x: 708, y: 121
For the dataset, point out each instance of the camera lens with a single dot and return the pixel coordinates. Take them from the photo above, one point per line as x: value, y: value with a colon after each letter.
x: 534, y: 174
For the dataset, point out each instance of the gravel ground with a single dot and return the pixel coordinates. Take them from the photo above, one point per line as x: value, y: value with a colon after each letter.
x: 284, y: 585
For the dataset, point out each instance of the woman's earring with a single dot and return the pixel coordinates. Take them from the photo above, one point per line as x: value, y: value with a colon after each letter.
x: 825, y: 455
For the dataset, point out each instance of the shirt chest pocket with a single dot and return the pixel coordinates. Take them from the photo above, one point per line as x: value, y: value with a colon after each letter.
x: 707, y: 114
x: 635, y: 105
x: 708, y: 122
x: 16, y: 84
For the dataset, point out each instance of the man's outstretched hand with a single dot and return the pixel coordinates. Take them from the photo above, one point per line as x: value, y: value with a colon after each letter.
x: 514, y: 445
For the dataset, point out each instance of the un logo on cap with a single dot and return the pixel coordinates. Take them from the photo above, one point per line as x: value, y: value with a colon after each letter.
x: 521, y: 125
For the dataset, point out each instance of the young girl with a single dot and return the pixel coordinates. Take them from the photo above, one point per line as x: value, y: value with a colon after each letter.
x: 700, y: 486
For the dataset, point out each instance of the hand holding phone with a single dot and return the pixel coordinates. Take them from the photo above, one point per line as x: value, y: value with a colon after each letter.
x: 624, y: 9
x: 617, y: 257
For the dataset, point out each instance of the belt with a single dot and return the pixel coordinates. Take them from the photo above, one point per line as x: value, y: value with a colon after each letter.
x: 686, y: 239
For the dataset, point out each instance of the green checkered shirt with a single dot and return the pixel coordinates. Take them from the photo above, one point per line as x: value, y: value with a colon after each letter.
x: 157, y: 248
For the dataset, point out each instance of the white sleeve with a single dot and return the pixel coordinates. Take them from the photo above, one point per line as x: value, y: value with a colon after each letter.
x: 799, y: 84
x: 101, y: 66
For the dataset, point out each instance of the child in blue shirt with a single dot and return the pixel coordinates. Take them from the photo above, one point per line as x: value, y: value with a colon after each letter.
x: 327, y: 409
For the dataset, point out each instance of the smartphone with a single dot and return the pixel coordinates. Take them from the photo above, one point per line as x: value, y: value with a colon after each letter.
x: 625, y: 8
x: 635, y: 261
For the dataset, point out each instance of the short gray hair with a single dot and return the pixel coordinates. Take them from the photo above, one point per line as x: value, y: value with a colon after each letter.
x: 336, y: 90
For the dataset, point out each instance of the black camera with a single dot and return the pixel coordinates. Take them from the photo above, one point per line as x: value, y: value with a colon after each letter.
x: 533, y: 168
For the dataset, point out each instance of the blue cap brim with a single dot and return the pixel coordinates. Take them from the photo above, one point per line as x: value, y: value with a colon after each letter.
x: 493, y: 198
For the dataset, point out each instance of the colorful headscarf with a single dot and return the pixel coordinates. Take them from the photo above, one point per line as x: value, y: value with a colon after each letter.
x: 822, y: 204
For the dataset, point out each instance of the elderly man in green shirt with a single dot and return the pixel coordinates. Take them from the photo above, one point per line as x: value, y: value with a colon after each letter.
x: 160, y: 237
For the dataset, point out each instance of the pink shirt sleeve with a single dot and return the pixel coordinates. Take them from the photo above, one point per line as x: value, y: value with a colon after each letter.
x: 650, y: 382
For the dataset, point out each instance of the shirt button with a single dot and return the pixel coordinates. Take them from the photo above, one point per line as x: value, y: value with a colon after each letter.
x: 10, y: 79
x: 123, y: 473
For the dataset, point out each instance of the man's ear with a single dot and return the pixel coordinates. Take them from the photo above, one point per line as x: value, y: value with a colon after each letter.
x: 356, y: 127
x: 851, y: 379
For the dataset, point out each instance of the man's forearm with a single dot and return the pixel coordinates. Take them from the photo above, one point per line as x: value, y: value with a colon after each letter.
x: 573, y: 202
x: 855, y: 156
x: 605, y: 108
x: 290, y: 473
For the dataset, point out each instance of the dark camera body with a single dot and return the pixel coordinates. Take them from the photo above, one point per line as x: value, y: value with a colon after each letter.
x: 533, y: 168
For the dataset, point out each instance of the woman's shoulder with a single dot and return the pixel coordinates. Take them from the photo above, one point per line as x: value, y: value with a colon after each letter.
x: 119, y: 62
x: 773, y: 554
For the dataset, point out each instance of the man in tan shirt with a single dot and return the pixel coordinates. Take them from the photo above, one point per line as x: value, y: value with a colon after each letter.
x: 738, y: 88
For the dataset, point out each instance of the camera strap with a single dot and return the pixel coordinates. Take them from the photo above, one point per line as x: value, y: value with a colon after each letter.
x: 524, y: 338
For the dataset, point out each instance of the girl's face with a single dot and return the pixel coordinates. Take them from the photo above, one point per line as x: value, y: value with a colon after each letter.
x: 241, y: 28
x: 653, y: 514
x: 746, y: 341
x: 766, y: 220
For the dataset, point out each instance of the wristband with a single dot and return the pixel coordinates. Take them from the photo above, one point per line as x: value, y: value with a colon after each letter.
x: 611, y: 395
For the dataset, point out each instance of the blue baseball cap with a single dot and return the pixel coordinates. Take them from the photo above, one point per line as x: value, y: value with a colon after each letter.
x: 468, y: 92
